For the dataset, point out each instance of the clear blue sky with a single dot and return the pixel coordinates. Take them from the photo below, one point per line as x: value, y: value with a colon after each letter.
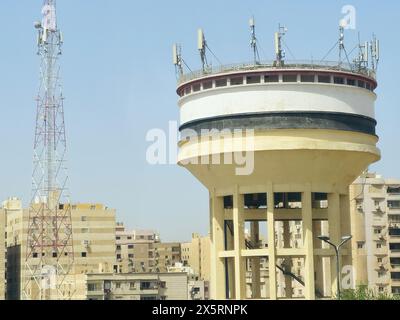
x: 119, y: 83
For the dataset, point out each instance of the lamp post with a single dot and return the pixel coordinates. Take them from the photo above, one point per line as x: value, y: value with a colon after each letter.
x: 337, y: 250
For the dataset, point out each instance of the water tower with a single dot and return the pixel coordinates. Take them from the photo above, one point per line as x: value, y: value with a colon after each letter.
x: 313, y: 130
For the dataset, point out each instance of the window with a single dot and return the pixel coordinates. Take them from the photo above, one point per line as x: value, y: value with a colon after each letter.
x: 393, y: 204
x: 118, y: 238
x: 73, y: 207
x: 368, y: 86
x: 377, y: 231
x: 207, y: 85
x: 289, y: 78
x: 236, y: 81
x: 129, y: 238
x: 118, y: 247
x: 83, y: 254
x: 92, y: 207
x: 360, y: 245
x: 130, y: 246
x: 130, y: 255
x: 271, y: 78
x: 307, y: 78
x: 188, y: 90
x: 395, y: 275
x: 253, y: 79
x: 379, y: 260
x: 118, y: 256
x: 83, y: 218
x: 381, y: 274
x: 85, y: 230
x: 118, y: 285
x: 378, y: 245
x: 394, y: 246
x: 361, y: 84
x: 324, y: 79
x: 338, y: 80
x: 94, y: 286
x: 381, y: 289
x: 351, y: 82
x: 196, y: 87
x: 132, y: 286
x: 394, y: 232
x: 220, y: 83
x: 393, y: 190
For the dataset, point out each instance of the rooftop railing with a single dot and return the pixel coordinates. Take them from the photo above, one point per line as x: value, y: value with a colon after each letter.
x: 300, y: 64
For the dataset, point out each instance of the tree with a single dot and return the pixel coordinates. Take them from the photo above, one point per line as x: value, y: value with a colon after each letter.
x: 362, y: 292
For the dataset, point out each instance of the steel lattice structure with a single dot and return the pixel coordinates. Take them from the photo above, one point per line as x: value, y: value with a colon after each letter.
x: 49, y: 253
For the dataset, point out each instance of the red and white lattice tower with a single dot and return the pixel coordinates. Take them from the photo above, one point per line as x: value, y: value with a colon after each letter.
x: 49, y: 252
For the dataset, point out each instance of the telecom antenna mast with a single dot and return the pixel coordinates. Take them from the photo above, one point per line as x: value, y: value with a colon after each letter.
x: 253, y: 42
x: 279, y: 52
x: 49, y: 253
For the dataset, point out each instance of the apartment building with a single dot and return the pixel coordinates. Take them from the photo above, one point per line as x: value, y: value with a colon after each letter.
x: 375, y: 214
x: 137, y: 286
x: 141, y: 251
x: 93, y: 231
x: 197, y: 254
x: 166, y: 254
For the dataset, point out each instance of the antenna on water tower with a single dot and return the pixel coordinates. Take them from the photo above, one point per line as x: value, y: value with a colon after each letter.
x: 253, y: 42
x: 279, y: 52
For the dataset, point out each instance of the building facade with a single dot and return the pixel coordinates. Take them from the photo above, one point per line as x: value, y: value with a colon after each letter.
x: 375, y: 214
x: 137, y: 286
x: 141, y: 251
x: 197, y: 254
x: 93, y: 231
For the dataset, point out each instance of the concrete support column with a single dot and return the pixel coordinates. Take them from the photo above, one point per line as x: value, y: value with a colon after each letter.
x: 230, y: 267
x: 308, y: 244
x: 318, y: 262
x: 238, y: 227
x: 217, y: 245
x: 334, y: 234
x: 255, y: 262
x: 271, y: 243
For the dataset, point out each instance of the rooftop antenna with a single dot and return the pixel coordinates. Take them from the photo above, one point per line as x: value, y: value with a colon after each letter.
x: 177, y: 59
x: 362, y: 61
x: 253, y: 42
x: 202, y: 46
x: 279, y: 52
x: 374, y: 47
x: 341, y: 41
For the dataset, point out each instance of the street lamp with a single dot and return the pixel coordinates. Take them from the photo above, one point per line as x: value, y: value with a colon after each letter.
x: 337, y: 250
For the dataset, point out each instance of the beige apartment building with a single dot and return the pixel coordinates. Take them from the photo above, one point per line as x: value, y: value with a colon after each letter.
x: 137, y: 286
x: 93, y: 230
x: 2, y: 255
x: 375, y: 214
x: 197, y: 254
x: 141, y: 251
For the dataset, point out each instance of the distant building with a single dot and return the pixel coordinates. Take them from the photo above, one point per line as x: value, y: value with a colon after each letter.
x: 93, y: 231
x: 141, y: 251
x: 375, y: 214
x: 196, y: 254
x: 137, y: 286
